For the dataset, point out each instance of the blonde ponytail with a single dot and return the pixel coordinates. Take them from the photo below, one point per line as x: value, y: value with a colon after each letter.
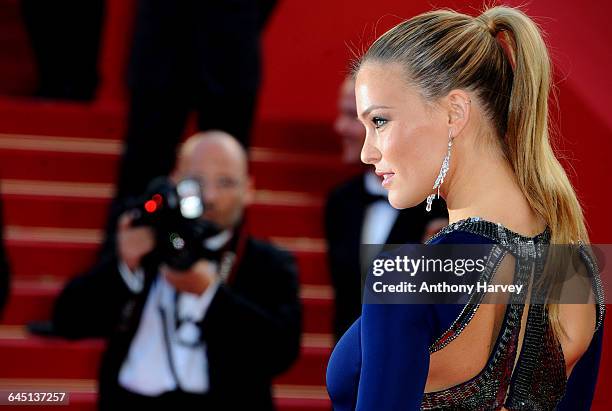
x: 502, y: 57
x: 539, y: 173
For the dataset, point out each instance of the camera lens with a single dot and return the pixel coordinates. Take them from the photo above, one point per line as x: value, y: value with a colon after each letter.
x: 190, y: 198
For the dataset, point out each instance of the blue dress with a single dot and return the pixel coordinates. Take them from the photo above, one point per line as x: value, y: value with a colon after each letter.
x: 382, y: 361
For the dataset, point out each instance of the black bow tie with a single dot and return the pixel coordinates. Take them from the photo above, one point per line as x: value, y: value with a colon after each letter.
x: 370, y: 198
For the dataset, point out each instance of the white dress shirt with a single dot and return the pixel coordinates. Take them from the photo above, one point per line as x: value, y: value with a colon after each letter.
x: 379, y: 216
x: 378, y: 220
x: 153, y: 366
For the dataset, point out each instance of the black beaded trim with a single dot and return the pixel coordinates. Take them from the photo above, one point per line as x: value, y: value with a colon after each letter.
x: 495, y: 258
x: 495, y: 232
x: 533, y: 385
x: 527, y: 247
x: 484, y: 391
x: 597, y: 285
x: 529, y: 390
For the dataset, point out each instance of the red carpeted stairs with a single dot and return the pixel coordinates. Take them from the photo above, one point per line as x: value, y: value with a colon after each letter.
x: 57, y: 164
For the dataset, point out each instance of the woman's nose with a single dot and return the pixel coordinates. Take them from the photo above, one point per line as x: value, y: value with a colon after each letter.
x: 369, y: 153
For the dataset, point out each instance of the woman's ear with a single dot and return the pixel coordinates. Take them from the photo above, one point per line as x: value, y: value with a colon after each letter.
x: 459, y: 110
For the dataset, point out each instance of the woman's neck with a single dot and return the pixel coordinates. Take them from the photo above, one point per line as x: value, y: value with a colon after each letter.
x: 484, y: 185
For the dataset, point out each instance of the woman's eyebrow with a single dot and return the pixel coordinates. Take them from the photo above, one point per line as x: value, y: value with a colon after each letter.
x: 369, y: 109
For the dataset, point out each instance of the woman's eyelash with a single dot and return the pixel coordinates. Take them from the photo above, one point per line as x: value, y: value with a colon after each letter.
x: 379, y: 122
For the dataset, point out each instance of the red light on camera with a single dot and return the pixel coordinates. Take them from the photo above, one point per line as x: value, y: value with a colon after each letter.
x: 150, y: 206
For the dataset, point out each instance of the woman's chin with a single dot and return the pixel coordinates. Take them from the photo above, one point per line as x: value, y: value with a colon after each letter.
x: 400, y: 202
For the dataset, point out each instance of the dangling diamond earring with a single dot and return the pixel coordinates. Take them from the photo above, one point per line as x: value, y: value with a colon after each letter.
x: 442, y: 174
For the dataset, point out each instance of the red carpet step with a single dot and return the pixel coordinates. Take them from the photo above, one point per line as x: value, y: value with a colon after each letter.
x: 27, y: 356
x: 33, y: 300
x: 103, y: 121
x: 80, y: 160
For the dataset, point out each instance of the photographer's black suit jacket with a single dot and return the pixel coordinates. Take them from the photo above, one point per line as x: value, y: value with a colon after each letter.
x: 251, y: 329
x: 344, y: 215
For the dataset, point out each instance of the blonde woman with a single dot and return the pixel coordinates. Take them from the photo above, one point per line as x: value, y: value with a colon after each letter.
x: 459, y: 103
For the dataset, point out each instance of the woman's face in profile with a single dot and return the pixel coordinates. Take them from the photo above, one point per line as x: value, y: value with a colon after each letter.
x: 406, y: 139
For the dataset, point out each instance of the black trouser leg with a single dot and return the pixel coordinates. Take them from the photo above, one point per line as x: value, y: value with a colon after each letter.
x: 65, y: 40
x: 231, y: 113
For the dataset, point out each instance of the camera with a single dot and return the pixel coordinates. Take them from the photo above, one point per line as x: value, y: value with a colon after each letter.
x: 175, y: 214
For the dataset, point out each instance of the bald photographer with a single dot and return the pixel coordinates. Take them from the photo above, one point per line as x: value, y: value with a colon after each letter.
x: 198, y: 314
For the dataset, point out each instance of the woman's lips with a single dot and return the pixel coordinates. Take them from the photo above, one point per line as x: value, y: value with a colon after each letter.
x: 387, y: 178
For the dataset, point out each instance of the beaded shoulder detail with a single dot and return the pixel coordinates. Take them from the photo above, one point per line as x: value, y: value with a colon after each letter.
x: 505, y: 240
x: 535, y: 383
x: 494, y: 231
x: 527, y: 247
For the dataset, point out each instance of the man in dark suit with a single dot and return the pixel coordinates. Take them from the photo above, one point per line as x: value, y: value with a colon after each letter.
x: 357, y: 212
x: 187, y: 55
x: 210, y: 337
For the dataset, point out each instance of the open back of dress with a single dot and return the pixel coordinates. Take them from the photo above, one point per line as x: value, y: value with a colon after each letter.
x: 522, y: 366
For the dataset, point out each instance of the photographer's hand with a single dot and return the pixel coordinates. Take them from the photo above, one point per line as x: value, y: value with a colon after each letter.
x: 194, y: 280
x: 133, y: 243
